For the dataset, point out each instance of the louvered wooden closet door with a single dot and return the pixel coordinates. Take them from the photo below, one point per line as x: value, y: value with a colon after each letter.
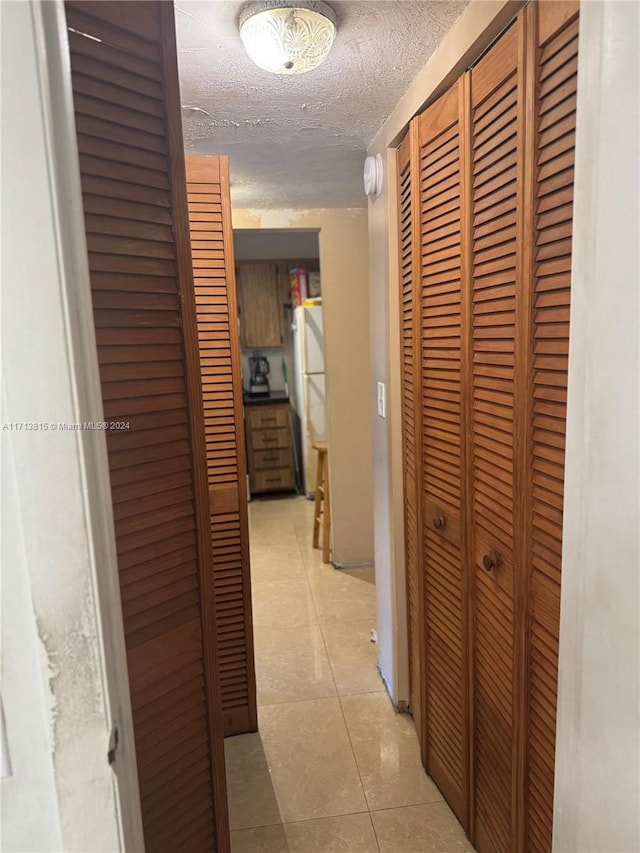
x: 442, y: 427
x: 214, y: 278
x: 125, y: 88
x: 556, y: 47
x: 496, y: 134
x: 493, y: 438
x: 411, y: 423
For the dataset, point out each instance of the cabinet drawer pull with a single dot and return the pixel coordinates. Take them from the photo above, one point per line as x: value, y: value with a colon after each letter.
x: 273, y: 479
x: 439, y: 522
x: 270, y: 459
x: 268, y: 420
x: 270, y: 440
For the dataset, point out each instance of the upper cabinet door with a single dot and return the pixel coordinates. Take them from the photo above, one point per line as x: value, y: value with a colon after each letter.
x: 260, y: 308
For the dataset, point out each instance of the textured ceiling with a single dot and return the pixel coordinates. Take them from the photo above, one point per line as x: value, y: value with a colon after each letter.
x: 300, y: 141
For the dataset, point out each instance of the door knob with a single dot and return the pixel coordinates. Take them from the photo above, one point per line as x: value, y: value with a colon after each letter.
x: 439, y: 521
x: 490, y: 561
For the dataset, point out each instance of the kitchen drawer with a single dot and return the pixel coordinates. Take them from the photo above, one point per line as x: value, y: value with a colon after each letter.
x: 267, y: 417
x: 272, y: 480
x: 269, y: 439
x: 263, y: 459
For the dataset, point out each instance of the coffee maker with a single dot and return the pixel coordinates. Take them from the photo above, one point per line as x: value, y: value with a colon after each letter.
x: 258, y: 382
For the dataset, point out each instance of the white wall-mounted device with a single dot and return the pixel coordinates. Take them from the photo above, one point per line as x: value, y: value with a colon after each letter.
x: 382, y: 407
x: 373, y: 175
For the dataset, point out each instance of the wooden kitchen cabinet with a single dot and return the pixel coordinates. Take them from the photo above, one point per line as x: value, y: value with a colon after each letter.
x: 270, y: 448
x: 260, y: 305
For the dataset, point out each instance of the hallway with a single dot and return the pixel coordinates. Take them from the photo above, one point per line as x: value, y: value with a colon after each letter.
x: 333, y: 768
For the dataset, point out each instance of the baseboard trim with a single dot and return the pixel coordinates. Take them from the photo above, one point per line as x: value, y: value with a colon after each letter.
x: 402, y: 705
x: 364, y: 564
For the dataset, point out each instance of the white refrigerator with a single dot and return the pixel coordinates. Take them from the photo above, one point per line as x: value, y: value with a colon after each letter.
x: 310, y: 388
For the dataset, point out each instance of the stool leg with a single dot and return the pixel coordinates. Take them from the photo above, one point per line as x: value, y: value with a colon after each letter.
x: 318, y: 499
x: 326, y: 513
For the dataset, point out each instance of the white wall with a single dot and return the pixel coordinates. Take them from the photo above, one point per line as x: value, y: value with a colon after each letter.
x: 30, y: 817
x: 597, y: 801
x: 64, y: 671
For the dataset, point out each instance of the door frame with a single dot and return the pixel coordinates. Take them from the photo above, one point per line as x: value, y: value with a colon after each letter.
x: 58, y: 127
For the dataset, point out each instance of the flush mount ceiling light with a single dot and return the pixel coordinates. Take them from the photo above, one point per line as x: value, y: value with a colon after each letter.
x: 288, y: 36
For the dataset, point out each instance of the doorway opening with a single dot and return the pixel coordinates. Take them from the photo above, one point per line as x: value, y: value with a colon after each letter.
x: 281, y: 314
x: 313, y: 626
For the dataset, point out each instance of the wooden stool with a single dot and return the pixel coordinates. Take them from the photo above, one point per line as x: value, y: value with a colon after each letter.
x: 322, y: 510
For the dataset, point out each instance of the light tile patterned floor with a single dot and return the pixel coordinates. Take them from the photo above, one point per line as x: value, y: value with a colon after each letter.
x: 333, y: 769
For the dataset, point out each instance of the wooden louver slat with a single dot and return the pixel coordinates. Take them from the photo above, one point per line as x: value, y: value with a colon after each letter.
x: 211, y: 242
x: 439, y: 182
x: 125, y: 88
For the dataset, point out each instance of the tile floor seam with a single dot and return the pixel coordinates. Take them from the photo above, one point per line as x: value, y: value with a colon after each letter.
x: 326, y: 648
x: 355, y: 757
x: 301, y: 820
x: 316, y: 698
x: 362, y: 693
x: 295, y: 701
x: 315, y: 608
x: 410, y: 806
x: 324, y: 641
x: 333, y: 678
x: 375, y: 834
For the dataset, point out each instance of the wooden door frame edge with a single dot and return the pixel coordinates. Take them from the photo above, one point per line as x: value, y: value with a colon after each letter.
x: 466, y: 509
x: 523, y: 424
x: 189, y: 324
x: 54, y: 72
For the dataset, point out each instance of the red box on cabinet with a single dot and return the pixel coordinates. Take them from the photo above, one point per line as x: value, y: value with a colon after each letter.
x: 299, y: 283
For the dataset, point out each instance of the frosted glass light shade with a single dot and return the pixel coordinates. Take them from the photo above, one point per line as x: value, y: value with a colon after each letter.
x: 288, y: 38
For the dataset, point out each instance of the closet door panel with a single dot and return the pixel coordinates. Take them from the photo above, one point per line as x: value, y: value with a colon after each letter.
x: 126, y: 101
x: 409, y: 335
x: 495, y: 128
x: 440, y: 296
x: 556, y: 63
x: 216, y: 309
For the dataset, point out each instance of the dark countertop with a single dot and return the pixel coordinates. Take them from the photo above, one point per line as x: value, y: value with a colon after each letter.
x: 265, y: 399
